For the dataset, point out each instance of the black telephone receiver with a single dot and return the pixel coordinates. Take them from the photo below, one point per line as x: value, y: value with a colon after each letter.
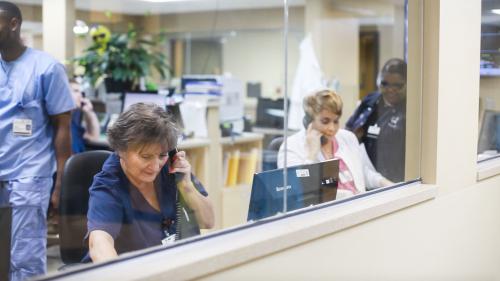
x: 185, y: 220
x: 306, y: 121
x: 171, y: 158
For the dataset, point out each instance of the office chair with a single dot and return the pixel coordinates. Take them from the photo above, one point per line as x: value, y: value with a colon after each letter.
x: 270, y: 156
x: 5, y: 235
x: 275, y: 144
x: 78, y: 174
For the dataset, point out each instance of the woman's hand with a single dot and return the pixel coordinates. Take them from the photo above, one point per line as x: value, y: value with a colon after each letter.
x: 313, y: 142
x: 86, y: 105
x: 182, y: 165
x: 201, y: 205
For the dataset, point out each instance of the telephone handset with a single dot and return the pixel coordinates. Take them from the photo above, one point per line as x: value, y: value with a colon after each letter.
x: 171, y: 159
x: 306, y: 121
x: 186, y: 224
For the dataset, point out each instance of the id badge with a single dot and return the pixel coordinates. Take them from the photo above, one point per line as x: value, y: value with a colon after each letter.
x: 22, y: 127
x: 374, y: 130
x: 170, y: 239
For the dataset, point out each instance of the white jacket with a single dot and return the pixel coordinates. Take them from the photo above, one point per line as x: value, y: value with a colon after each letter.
x: 353, y: 154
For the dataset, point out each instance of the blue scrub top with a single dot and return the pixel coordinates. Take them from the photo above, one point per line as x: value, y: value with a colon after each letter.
x: 118, y: 209
x: 34, y: 87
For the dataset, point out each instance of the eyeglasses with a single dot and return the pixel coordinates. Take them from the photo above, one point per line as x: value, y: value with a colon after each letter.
x: 99, y: 36
x: 395, y: 86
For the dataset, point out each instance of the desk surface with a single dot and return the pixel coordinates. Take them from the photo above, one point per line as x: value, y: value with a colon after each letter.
x: 272, y: 131
x: 243, y: 138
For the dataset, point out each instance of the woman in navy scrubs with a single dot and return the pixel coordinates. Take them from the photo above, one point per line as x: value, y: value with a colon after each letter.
x: 132, y: 202
x: 379, y: 122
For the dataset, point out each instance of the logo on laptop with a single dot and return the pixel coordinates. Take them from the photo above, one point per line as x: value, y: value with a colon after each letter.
x: 302, y: 173
x: 281, y: 188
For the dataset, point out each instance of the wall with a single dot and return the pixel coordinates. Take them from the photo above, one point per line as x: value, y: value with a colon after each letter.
x: 454, y: 237
x: 263, y: 61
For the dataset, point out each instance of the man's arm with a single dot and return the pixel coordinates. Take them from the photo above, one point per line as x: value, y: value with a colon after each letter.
x: 62, y: 145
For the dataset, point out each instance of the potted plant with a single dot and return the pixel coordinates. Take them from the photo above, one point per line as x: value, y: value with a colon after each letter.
x: 122, y: 59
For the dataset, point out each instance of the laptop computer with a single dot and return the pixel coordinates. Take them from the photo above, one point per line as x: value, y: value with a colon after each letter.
x: 307, y: 185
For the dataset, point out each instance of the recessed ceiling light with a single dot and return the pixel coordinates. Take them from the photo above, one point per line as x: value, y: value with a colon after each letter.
x: 496, y: 11
x: 80, y: 28
x: 164, y: 1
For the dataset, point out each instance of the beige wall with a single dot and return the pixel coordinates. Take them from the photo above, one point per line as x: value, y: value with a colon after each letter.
x: 259, y: 57
x: 453, y: 237
x: 336, y: 41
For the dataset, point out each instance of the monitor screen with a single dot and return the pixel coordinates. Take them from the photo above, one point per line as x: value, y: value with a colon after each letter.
x: 307, y: 185
x: 132, y: 98
x: 160, y: 100
x: 270, y: 113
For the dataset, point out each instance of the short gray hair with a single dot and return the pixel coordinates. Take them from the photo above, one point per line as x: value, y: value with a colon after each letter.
x: 141, y: 125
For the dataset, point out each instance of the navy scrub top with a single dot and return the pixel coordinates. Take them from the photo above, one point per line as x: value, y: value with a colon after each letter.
x: 387, y: 149
x: 118, y: 208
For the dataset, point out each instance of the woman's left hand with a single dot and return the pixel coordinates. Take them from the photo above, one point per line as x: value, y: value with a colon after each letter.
x: 182, y: 165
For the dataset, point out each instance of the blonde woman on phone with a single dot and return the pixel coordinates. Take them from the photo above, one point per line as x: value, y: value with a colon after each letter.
x: 322, y: 139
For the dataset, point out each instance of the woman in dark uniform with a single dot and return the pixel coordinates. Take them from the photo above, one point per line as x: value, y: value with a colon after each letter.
x: 380, y: 121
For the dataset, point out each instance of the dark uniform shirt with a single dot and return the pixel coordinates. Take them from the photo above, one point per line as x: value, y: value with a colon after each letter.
x: 77, y: 132
x: 118, y: 208
x: 384, y: 134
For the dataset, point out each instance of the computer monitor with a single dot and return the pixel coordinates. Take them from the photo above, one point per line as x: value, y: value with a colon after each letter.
x: 307, y: 185
x: 5, y: 233
x: 160, y: 100
x: 133, y: 98
x: 253, y: 89
x: 270, y: 113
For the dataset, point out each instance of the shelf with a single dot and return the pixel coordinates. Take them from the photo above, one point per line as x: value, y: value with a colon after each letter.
x: 244, y: 138
x: 193, y: 143
x: 272, y: 131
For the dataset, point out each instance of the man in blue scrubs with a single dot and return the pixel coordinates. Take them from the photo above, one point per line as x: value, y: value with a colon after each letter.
x: 35, y: 105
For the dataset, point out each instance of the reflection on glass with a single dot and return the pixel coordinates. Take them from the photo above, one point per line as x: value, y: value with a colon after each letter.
x: 356, y: 53
x: 489, y: 110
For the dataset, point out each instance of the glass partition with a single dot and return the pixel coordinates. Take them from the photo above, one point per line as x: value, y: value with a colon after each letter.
x: 350, y: 100
x: 489, y: 137
x: 253, y: 87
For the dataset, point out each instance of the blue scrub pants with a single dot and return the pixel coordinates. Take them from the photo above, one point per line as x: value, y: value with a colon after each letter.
x: 29, y: 199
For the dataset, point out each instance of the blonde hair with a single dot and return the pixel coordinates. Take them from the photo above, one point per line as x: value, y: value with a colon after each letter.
x: 322, y: 100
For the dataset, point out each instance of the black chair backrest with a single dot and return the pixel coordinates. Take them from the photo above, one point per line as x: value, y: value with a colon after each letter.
x: 275, y: 144
x: 77, y: 177
x: 5, y: 232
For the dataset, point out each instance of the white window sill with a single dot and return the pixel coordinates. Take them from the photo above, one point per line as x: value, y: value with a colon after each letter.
x: 236, y: 246
x: 488, y: 168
